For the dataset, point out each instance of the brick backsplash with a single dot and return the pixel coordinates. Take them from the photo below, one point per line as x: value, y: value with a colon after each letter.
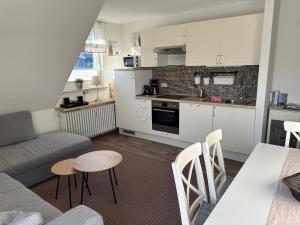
x: 180, y: 80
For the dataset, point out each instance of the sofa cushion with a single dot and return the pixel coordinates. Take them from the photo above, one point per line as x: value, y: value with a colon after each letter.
x: 16, y: 127
x: 15, y: 197
x: 46, y: 148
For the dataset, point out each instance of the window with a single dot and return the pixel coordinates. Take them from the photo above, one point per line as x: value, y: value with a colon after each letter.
x: 84, y: 61
x: 89, y: 61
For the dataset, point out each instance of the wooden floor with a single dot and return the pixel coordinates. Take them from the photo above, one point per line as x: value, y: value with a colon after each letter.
x: 146, y: 191
x: 151, y: 149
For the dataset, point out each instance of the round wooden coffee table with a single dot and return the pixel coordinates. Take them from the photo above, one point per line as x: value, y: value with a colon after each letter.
x: 97, y: 161
x: 64, y: 168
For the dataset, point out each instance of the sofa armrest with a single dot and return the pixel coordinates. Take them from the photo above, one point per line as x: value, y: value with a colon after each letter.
x: 80, y: 215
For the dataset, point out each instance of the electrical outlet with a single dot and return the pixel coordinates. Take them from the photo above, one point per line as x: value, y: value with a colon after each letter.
x: 164, y: 85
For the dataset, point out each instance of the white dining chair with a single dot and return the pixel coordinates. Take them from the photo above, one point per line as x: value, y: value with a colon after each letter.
x: 188, y: 162
x: 215, y: 169
x: 291, y: 128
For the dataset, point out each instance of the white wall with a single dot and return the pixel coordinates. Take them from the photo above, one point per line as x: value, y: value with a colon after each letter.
x: 228, y: 10
x: 265, y: 69
x: 113, y: 32
x: 46, y: 120
x: 40, y: 41
x: 286, y: 75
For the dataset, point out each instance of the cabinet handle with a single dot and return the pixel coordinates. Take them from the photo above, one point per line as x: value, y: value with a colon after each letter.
x: 221, y: 59
x: 144, y: 119
x: 214, y: 111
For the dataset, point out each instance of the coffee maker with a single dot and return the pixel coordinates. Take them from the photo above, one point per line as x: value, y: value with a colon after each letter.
x: 154, y: 86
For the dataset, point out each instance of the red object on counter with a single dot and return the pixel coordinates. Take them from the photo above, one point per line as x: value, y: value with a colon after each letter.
x: 216, y: 99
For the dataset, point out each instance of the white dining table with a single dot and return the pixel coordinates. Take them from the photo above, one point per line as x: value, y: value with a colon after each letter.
x: 249, y: 198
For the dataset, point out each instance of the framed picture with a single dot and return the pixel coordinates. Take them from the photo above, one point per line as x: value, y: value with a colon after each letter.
x: 112, y: 48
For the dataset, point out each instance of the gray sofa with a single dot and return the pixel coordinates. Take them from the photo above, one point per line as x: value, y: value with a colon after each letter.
x: 16, y: 197
x: 28, y: 157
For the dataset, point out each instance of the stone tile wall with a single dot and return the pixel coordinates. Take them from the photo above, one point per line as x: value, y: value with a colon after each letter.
x: 180, y: 80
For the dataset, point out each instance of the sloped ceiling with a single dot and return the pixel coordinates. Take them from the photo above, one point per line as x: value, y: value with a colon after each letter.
x: 121, y: 11
x: 39, y: 43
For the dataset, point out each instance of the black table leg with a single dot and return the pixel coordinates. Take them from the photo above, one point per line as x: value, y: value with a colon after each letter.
x: 115, y: 176
x: 70, y: 197
x: 87, y: 185
x: 75, y: 180
x: 82, y: 186
x: 57, y: 185
x: 112, y: 186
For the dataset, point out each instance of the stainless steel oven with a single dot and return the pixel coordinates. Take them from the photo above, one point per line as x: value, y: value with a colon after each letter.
x: 165, y: 116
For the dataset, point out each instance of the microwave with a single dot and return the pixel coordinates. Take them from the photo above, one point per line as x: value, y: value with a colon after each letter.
x: 131, y: 61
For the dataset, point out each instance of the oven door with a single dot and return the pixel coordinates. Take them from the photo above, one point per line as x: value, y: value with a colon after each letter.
x: 166, y: 120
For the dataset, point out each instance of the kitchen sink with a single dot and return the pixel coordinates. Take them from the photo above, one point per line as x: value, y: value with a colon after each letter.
x: 236, y: 101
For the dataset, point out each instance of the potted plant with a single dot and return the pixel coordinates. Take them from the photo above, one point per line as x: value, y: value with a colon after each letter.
x: 79, y: 83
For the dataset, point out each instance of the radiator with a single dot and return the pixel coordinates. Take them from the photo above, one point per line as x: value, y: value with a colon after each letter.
x: 89, y: 122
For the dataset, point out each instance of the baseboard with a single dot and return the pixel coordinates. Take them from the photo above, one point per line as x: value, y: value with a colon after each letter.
x: 181, y: 144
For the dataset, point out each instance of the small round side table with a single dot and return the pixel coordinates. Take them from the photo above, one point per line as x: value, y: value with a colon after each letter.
x: 64, y: 168
x: 97, y: 161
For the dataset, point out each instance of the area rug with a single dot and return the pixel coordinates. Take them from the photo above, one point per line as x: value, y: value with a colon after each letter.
x: 146, y: 193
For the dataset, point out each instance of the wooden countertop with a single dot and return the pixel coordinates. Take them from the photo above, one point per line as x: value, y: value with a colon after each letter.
x: 133, y: 68
x: 282, y: 108
x: 195, y: 100
x: 90, y: 105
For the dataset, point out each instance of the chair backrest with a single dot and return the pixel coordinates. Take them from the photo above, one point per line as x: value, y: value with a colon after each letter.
x: 189, y: 208
x: 215, y: 169
x: 291, y: 127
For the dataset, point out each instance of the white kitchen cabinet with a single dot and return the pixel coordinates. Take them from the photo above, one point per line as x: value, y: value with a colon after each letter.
x: 148, y: 57
x: 170, y: 35
x: 229, y: 41
x: 241, y: 40
x: 143, y: 116
x: 195, y: 122
x: 237, y: 125
x: 128, y: 84
x: 203, y: 43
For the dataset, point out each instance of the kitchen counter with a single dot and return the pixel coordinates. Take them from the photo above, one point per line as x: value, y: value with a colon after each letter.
x: 196, y: 100
x: 90, y: 105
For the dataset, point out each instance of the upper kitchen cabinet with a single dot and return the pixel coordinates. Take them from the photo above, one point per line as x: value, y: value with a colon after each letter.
x: 203, y: 43
x: 229, y: 41
x: 170, y: 36
x: 241, y: 40
x: 148, y: 57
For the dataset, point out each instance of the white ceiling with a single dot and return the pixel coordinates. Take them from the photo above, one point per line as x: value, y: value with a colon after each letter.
x: 126, y: 11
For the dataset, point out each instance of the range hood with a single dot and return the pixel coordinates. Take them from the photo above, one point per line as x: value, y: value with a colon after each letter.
x: 172, y: 50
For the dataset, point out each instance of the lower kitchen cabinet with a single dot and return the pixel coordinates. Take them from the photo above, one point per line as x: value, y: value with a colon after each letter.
x: 237, y: 125
x: 195, y: 121
x: 143, y: 116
